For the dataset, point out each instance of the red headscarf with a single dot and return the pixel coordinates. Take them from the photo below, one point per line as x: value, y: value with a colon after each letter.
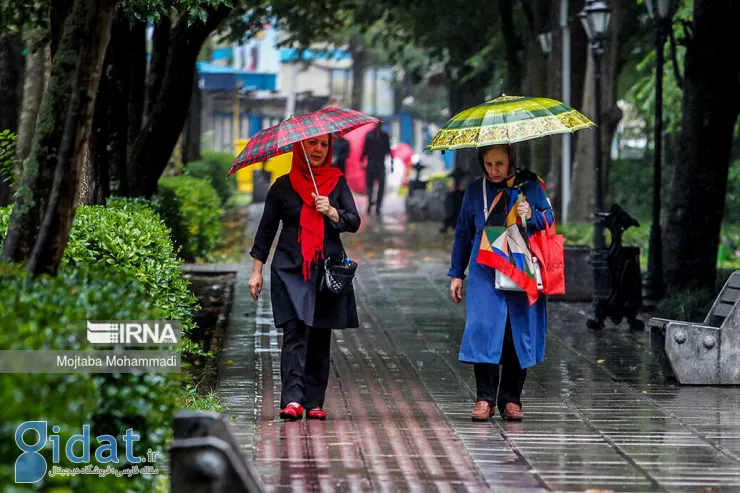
x: 311, y: 230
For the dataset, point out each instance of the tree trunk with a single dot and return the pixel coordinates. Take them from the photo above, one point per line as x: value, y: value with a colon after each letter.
x: 33, y: 91
x: 155, y: 143
x: 360, y: 61
x: 137, y: 81
x: 96, y: 180
x: 58, y: 15
x: 38, y: 170
x: 86, y: 182
x: 711, y: 104
x: 582, y: 203
x: 95, y: 183
x: 535, y: 84
x: 90, y: 20
x: 118, y: 71
x: 463, y: 93
x: 513, y: 48
x: 157, y: 65
x: 578, y: 46
x: 11, y: 67
x: 554, y: 180
x: 191, y: 139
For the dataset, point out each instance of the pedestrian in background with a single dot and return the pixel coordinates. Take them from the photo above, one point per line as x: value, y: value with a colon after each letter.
x: 374, y: 151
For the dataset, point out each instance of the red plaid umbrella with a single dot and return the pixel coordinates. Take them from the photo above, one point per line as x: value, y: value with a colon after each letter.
x: 280, y: 138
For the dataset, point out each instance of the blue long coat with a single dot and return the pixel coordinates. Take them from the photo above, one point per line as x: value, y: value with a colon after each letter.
x: 487, y: 307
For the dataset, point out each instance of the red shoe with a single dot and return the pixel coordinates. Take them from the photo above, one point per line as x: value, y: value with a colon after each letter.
x: 292, y: 411
x: 316, y: 413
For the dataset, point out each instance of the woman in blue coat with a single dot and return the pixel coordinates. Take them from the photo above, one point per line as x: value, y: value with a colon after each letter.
x: 501, y: 327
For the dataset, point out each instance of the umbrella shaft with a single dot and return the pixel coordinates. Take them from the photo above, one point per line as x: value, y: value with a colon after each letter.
x: 310, y: 170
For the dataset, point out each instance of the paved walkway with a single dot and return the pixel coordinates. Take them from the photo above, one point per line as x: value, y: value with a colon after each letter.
x: 599, y: 415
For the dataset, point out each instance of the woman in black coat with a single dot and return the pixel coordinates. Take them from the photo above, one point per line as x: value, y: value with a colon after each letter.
x: 311, y: 227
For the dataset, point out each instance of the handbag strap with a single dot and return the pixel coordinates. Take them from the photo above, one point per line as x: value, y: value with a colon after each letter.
x: 486, y: 210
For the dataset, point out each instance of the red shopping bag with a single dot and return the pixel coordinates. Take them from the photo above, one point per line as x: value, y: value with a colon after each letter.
x: 548, y: 247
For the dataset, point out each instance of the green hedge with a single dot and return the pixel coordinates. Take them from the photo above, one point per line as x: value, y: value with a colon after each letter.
x: 50, y: 313
x: 131, y: 239
x: 214, y: 167
x: 191, y: 208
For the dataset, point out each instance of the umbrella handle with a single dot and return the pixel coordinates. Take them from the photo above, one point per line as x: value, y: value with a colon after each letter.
x: 309, y: 169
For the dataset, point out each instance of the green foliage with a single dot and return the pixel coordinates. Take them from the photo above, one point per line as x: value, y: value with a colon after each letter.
x: 690, y: 305
x: 214, y: 166
x: 582, y: 234
x: 132, y: 240
x: 8, y: 160
x: 191, y: 208
x: 14, y: 14
x: 641, y: 91
x: 152, y: 11
x: 194, y: 401
x: 732, y: 199
x: 627, y: 176
x: 45, y: 313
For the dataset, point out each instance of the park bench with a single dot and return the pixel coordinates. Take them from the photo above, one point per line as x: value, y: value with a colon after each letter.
x: 706, y: 353
x: 205, y: 457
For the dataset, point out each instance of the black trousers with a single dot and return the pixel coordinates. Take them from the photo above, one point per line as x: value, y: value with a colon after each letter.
x: 304, y: 364
x: 511, y: 373
x: 373, y: 173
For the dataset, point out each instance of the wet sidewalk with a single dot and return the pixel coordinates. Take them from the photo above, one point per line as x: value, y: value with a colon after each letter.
x: 599, y: 415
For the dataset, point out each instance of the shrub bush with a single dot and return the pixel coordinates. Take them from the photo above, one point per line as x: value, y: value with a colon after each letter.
x: 130, y: 238
x: 47, y: 313
x: 192, y: 210
x: 213, y: 167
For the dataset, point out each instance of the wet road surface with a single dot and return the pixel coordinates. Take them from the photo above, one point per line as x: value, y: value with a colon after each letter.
x: 599, y: 416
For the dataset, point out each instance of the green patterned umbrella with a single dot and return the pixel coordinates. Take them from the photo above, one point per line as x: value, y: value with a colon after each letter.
x: 506, y: 120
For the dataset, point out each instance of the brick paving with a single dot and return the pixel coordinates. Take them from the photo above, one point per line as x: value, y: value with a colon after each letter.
x: 599, y: 415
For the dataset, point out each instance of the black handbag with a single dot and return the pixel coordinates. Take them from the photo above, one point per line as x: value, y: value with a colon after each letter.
x: 338, y: 275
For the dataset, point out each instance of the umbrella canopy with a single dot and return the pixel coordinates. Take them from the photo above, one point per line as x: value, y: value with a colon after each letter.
x: 506, y: 120
x: 280, y: 138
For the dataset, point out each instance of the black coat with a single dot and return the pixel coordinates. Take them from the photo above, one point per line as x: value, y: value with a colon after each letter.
x: 292, y: 297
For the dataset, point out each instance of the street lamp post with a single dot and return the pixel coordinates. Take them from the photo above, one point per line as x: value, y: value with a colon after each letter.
x: 595, y: 18
x: 661, y: 12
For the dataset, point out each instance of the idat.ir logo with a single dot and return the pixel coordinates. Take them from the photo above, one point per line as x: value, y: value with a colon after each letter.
x: 32, y: 436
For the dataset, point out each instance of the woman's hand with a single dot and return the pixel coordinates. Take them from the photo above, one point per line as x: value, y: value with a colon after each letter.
x: 255, y: 282
x: 456, y: 289
x: 322, y: 204
x: 325, y: 208
x: 523, y: 209
x: 255, y: 285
